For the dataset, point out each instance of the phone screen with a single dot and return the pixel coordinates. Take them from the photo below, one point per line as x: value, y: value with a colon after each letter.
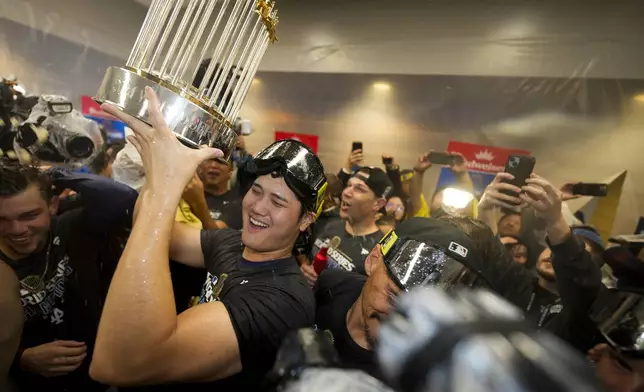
x: 387, y: 161
x: 356, y: 146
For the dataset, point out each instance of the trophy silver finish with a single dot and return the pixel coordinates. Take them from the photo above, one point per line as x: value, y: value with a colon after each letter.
x: 173, y: 46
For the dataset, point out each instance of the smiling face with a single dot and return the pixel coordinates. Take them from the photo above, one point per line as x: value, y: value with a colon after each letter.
x: 359, y: 203
x: 272, y: 217
x: 24, y: 221
x: 214, y: 173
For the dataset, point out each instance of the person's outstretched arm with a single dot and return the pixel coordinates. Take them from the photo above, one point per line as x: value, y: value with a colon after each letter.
x: 416, y: 191
x: 106, y: 203
x: 141, y: 340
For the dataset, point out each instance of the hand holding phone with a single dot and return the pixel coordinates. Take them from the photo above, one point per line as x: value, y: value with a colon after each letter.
x: 442, y: 158
x: 355, y: 157
x: 520, y: 167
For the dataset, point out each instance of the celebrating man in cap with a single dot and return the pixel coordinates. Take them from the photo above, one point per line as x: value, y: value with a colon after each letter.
x: 254, y: 293
x: 353, y: 237
x: 419, y: 251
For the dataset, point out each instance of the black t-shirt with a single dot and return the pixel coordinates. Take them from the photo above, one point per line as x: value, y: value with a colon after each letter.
x: 336, y: 291
x: 43, y: 277
x: 265, y: 300
x: 66, y: 303
x: 226, y: 208
x: 352, y: 251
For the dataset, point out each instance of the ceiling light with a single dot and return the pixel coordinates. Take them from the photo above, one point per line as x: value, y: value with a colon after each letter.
x: 382, y: 86
x: 639, y: 97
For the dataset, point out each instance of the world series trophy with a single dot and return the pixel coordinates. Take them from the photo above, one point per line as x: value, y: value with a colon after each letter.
x: 200, y: 56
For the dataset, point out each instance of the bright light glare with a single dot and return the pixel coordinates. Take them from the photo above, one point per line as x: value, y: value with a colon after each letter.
x: 639, y: 97
x: 382, y: 86
x: 456, y: 198
x: 256, y: 81
x: 19, y: 89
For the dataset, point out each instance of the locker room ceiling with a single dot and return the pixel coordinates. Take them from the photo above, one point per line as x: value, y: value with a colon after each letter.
x: 547, y: 38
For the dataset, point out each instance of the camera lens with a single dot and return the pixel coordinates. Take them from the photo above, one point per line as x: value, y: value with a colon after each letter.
x: 79, y: 147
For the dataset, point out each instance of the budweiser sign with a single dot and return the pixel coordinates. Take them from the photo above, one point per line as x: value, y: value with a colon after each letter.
x: 486, y: 159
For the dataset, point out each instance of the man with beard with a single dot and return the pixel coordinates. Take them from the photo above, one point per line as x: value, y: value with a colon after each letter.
x: 357, y: 232
x: 569, y: 280
x: 254, y: 292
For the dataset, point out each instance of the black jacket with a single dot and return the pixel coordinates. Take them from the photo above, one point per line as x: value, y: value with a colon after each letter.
x: 578, y: 284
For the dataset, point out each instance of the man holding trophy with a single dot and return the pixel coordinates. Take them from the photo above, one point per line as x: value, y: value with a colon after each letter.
x: 254, y: 292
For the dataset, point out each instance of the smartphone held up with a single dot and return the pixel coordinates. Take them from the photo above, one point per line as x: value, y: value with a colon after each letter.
x: 521, y: 167
x: 588, y: 189
x: 443, y: 158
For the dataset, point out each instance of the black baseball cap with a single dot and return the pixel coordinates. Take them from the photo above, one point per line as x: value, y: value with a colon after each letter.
x: 426, y: 251
x: 378, y: 181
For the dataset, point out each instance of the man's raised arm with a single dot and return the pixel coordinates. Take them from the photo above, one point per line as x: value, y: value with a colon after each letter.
x: 140, y: 339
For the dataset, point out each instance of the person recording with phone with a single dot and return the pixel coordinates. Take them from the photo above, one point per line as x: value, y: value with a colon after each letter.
x: 569, y: 280
x: 354, y: 161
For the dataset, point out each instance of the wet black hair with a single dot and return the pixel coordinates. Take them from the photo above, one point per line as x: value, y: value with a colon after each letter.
x: 15, y: 179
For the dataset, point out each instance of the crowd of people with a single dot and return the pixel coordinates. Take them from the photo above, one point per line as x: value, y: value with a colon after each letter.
x: 188, y: 275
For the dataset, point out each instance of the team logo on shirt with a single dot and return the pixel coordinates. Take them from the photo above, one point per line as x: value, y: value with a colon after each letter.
x: 212, y: 288
x: 215, y: 214
x: 335, y: 256
x: 42, y: 302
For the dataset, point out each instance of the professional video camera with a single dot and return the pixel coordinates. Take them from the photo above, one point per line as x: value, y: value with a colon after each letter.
x: 15, y: 105
x: 56, y: 133
x: 462, y: 341
x: 45, y: 128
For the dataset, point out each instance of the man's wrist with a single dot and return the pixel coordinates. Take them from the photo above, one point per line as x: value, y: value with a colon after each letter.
x: 163, y: 200
x: 558, y: 231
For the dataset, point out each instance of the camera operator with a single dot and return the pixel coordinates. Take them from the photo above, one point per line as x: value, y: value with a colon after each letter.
x: 568, y: 282
x: 64, y: 265
x: 254, y: 293
x: 419, y: 251
x: 362, y: 200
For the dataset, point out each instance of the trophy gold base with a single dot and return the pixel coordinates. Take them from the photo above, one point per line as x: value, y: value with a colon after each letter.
x: 192, y: 122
